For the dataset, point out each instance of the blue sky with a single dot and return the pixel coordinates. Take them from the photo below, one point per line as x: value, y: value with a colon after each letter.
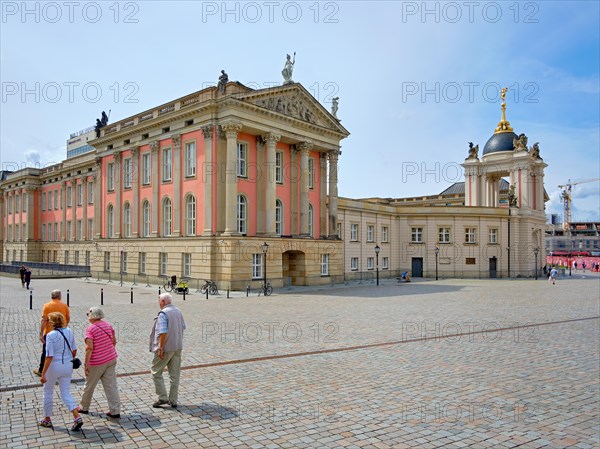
x: 417, y: 81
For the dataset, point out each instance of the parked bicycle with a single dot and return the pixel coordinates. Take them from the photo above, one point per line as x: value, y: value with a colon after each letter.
x: 266, y: 289
x: 210, y: 286
x: 170, y: 284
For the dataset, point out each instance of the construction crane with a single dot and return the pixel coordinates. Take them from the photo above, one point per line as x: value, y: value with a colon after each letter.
x: 566, y: 196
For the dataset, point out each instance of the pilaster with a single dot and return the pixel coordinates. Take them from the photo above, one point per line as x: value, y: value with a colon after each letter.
x: 176, y: 140
x: 333, y: 191
x: 154, y: 147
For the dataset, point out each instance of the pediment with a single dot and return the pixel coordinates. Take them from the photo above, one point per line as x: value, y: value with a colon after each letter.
x: 293, y: 100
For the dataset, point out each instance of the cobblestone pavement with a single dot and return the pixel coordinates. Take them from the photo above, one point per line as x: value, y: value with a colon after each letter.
x: 449, y: 363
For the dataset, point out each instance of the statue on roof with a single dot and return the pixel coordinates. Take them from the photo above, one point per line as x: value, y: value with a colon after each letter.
x: 534, y: 151
x: 288, y: 69
x: 520, y: 143
x: 223, y: 80
x: 512, y: 196
x: 473, y: 151
x: 101, y: 123
x: 335, y: 106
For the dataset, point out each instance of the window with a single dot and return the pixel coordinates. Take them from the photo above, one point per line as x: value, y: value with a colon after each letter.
x: 167, y: 217
x: 324, y: 264
x: 444, y: 235
x: 68, y: 236
x: 87, y: 258
x: 163, y: 265
x: 24, y: 234
x: 127, y: 173
x: 146, y: 168
x: 146, y: 219
x: 354, y: 232
x: 190, y: 215
x: 50, y: 202
x: 242, y: 160
x: 354, y: 263
x: 17, y: 203
x: 142, y: 263
x: 370, y: 263
x: 24, y: 208
x: 10, y: 233
x: 190, y: 159
x: 417, y: 235
x: 69, y: 196
x: 166, y: 168
x: 370, y: 232
x: 43, y: 232
x: 385, y: 263
x: 55, y: 255
x: 493, y: 240
x: 110, y: 176
x: 257, y: 266
x: 241, y: 214
x: 384, y: 234
x: 66, y: 257
x: 90, y: 192
x: 90, y: 229
x: 79, y: 194
x: 124, y: 261
x: 310, y: 220
x: 106, y: 261
x: 76, y: 257
x: 110, y: 221
x: 127, y: 220
x: 311, y: 173
x: 56, y: 232
x: 278, y: 217
x: 10, y: 204
x: 279, y: 167
x: 187, y: 264
x: 56, y: 199
x: 17, y: 235
x: 43, y: 200
x: 470, y: 235
x: 339, y: 230
x: 79, y: 230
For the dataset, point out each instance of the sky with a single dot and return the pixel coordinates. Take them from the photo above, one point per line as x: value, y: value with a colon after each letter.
x: 417, y: 81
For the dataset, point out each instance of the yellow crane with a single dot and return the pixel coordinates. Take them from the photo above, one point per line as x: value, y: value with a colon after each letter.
x: 566, y: 196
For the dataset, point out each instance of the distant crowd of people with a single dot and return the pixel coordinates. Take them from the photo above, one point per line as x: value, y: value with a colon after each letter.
x: 25, y: 274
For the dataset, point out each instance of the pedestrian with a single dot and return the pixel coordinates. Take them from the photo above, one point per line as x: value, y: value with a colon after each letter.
x: 575, y: 265
x: 553, y: 274
x: 166, y: 342
x: 583, y: 265
x: 100, y: 363
x: 22, y: 275
x: 27, y: 276
x: 54, y: 305
x: 58, y: 367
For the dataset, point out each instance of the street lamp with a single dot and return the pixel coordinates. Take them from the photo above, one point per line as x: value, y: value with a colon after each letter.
x: 536, y: 251
x: 265, y: 249
x: 437, y: 252
x: 570, y: 257
x: 377, y: 249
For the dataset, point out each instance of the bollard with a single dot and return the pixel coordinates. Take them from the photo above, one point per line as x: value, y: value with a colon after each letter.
x: 184, y: 293
x: 131, y: 295
x: 30, y: 300
x: 67, y: 297
x: 158, y: 291
x: 227, y: 293
x: 207, y: 293
x: 101, y: 296
x: 247, y: 290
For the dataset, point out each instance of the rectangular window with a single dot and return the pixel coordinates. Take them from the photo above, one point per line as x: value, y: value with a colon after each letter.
x: 66, y: 257
x: 279, y: 167
x: 106, y: 261
x: 79, y: 230
x: 146, y: 168
x: 385, y: 263
x: 339, y: 231
x: 90, y: 229
x: 370, y: 232
x: 187, y: 264
x: 69, y: 196
x: 88, y: 255
x: 354, y: 232
x: 124, y: 261
x: 17, y: 236
x: 167, y: 164
x: 10, y: 233
x: 68, y: 236
x: 384, y: 234
x: 354, y: 263
x: 55, y: 255
x: 90, y: 192
x: 242, y: 162
x: 311, y: 173
x: 110, y: 177
x: 56, y: 232
x: 163, y: 263
x: 416, y: 235
x: 76, y: 258
x: 190, y: 159
x: 257, y: 266
x: 56, y: 199
x: 43, y: 232
x: 370, y: 263
x: 127, y: 173
x: 470, y: 235
x: 324, y: 264
x: 25, y: 232
x: 493, y: 236
x: 43, y: 200
x: 79, y: 194
x: 17, y: 203
x: 25, y: 199
x: 142, y: 263
x: 444, y: 235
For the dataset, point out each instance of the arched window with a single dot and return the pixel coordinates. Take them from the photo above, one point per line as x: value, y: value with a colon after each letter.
x: 241, y: 214
x: 190, y: 215
x: 278, y: 217
x: 310, y: 220
x: 146, y: 219
x: 127, y: 219
x: 167, y: 217
x: 110, y: 221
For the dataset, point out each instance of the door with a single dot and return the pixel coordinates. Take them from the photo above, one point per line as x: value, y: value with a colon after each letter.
x: 417, y: 267
x: 493, y: 265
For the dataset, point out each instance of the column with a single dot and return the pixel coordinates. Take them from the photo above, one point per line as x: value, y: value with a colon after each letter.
x: 84, y: 202
x: 323, y: 193
x: 98, y: 186
x: 294, y: 175
x: 176, y: 139
x: 135, y: 182
x: 270, y: 140
x: 304, y: 147
x: 118, y: 190
x: 208, y: 171
x: 260, y: 187
x: 3, y: 215
x: 154, y: 146
x: 333, y: 191
x: 231, y: 130
x: 63, y: 205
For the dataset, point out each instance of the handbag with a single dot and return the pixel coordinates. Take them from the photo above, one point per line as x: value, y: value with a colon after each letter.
x: 76, y: 362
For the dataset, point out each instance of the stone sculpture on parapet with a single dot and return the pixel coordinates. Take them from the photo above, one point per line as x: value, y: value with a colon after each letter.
x: 335, y: 106
x: 473, y: 151
x: 223, y: 80
x: 288, y: 69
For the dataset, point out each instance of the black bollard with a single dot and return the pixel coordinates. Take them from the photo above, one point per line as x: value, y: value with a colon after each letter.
x: 207, y: 293
x: 158, y: 291
x: 184, y: 293
x: 227, y: 293
x: 30, y: 300
x: 247, y: 290
x: 101, y: 296
x: 131, y: 295
x: 67, y: 297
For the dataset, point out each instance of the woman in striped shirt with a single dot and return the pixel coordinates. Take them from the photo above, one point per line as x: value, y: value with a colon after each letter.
x: 100, y: 363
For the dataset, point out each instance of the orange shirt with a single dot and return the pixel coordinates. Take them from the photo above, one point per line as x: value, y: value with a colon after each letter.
x: 56, y: 305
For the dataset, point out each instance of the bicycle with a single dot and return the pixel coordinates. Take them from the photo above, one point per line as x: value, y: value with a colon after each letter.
x: 182, y: 287
x: 266, y: 289
x: 171, y: 284
x: 211, y: 286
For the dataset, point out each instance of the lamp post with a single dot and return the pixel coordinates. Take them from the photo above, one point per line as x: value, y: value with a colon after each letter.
x: 265, y: 249
x: 377, y: 249
x: 437, y: 252
x: 570, y: 257
x: 536, y: 251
